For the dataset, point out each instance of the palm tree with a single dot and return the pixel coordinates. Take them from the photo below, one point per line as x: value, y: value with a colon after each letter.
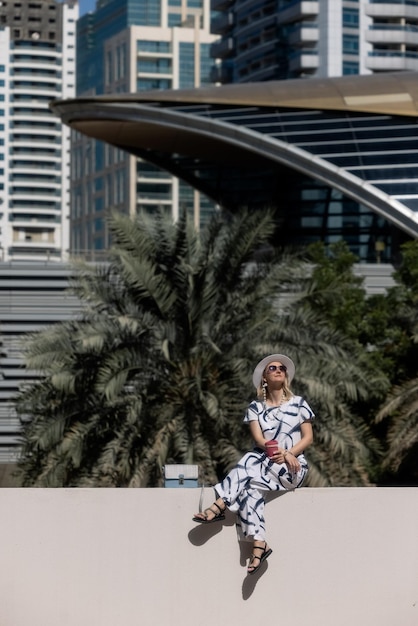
x: 397, y: 418
x: 155, y: 370
x: 400, y: 414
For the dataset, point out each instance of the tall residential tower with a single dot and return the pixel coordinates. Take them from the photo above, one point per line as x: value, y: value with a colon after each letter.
x: 134, y: 46
x: 280, y: 39
x: 37, y: 65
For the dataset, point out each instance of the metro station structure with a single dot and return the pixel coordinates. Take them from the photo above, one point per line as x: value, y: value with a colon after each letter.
x: 337, y: 158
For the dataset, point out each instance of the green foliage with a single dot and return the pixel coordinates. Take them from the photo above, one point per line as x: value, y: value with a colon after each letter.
x: 407, y: 272
x: 334, y: 291
x: 401, y: 408
x: 386, y: 326
x: 398, y: 342
x: 153, y: 369
x: 157, y: 368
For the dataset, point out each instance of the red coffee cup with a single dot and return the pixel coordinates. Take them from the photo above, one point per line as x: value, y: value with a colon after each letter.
x: 271, y: 447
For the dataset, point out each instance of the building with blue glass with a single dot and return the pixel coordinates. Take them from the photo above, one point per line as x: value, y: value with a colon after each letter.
x: 133, y: 46
x: 337, y: 158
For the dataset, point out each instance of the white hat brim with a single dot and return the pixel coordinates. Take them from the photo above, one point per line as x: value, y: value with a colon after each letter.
x: 261, y: 366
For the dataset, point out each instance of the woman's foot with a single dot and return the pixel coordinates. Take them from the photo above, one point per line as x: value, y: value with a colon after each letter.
x: 214, y: 513
x: 261, y: 552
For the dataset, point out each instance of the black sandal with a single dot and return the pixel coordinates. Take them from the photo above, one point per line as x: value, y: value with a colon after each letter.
x: 219, y: 515
x: 261, y: 558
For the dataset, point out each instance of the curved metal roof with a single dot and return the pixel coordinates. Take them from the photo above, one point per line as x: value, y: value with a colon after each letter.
x: 145, y: 125
x: 392, y: 93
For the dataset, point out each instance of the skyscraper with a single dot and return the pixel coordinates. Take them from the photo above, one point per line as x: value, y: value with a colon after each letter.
x: 267, y: 40
x: 280, y: 39
x: 37, y: 65
x: 130, y: 46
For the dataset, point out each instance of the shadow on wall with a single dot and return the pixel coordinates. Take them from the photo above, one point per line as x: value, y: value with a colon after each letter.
x: 82, y: 557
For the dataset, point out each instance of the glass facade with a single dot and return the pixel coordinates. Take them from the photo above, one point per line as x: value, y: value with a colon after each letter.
x: 380, y: 150
x: 128, y: 46
x: 143, y: 12
x: 93, y: 29
x: 187, y: 62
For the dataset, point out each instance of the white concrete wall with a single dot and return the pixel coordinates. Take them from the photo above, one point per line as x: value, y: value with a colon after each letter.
x: 130, y: 557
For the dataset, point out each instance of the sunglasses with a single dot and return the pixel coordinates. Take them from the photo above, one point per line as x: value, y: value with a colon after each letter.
x: 281, y: 368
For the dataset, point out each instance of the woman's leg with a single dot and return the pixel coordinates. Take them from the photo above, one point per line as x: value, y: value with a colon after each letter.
x: 250, y: 515
x: 242, y: 492
x: 246, y: 473
x: 261, y: 552
x: 235, y: 483
x: 213, y: 513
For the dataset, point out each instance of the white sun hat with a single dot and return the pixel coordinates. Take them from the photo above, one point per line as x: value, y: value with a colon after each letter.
x: 281, y: 358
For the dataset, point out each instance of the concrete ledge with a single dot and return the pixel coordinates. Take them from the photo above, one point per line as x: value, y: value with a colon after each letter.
x: 129, y: 557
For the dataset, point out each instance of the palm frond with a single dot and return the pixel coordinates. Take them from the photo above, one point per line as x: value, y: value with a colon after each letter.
x: 157, y: 366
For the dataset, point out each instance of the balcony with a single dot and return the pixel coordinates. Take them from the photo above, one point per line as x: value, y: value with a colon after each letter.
x: 28, y: 140
x: 393, y: 34
x: 297, y: 10
x: 391, y: 61
x: 303, y: 33
x: 222, y: 23
x: 304, y: 61
x: 222, y: 49
x: 30, y: 177
x: 35, y: 240
x: 221, y: 73
x: 221, y: 5
x: 153, y: 177
x: 392, y: 8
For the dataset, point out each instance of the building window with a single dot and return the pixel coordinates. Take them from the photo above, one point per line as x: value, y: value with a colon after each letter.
x: 120, y: 186
x: 350, y: 44
x: 120, y: 68
x: 350, y: 18
x: 174, y: 20
x: 187, y: 51
x: 154, y: 66
x: 144, y: 84
x: 206, y: 63
x: 148, y: 12
x: 109, y: 68
x: 350, y: 67
x: 153, y: 46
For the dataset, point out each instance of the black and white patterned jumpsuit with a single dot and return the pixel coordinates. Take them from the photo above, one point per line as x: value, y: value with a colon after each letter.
x: 242, y: 488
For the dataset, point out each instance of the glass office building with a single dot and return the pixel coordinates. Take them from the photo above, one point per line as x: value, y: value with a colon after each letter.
x: 258, y: 41
x: 336, y: 158
x: 129, y: 46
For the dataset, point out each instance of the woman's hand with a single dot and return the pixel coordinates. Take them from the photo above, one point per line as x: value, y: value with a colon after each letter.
x: 284, y: 456
x: 291, y: 462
